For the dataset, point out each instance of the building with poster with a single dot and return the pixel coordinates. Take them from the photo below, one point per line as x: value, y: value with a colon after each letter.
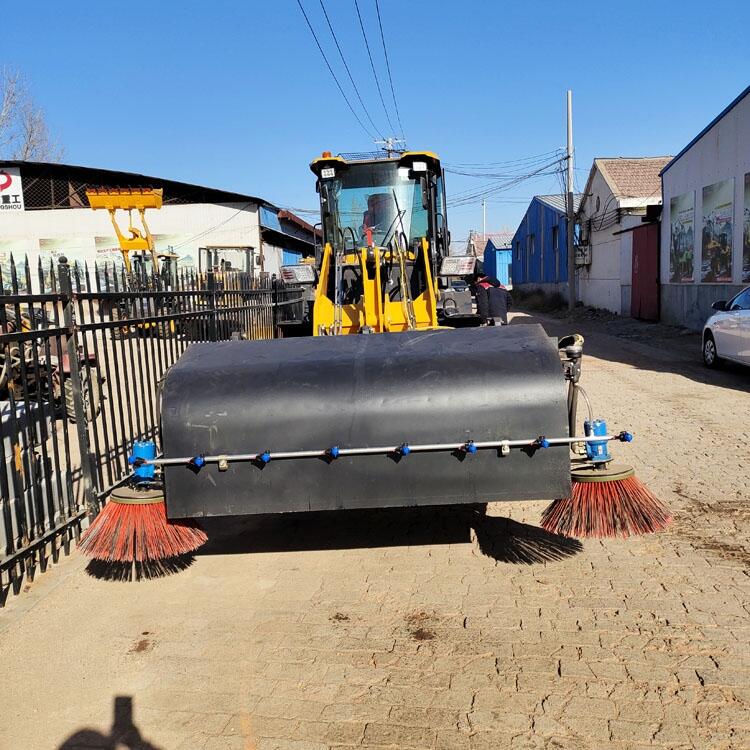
x: 705, y: 228
x: 44, y: 213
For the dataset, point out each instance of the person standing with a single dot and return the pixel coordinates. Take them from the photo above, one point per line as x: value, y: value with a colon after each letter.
x: 493, y: 299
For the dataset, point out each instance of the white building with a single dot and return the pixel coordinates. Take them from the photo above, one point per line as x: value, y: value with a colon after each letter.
x: 44, y: 214
x: 617, y: 194
x: 705, y: 228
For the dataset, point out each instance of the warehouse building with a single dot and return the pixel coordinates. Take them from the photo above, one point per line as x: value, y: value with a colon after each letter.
x: 705, y: 228
x: 621, y: 194
x: 540, y: 245
x: 44, y: 214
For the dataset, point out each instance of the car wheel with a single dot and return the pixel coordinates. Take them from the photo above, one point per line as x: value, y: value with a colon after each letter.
x: 710, y: 355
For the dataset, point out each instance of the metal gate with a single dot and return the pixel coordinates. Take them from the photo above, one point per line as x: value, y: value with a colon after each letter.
x: 82, y: 354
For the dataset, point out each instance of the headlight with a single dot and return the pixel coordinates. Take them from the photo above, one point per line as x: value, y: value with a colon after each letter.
x: 299, y: 274
x: 458, y: 265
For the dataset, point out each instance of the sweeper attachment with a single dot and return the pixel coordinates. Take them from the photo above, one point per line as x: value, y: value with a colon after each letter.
x: 402, y: 413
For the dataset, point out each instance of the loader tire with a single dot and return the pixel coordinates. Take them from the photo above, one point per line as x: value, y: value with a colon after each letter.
x: 92, y: 398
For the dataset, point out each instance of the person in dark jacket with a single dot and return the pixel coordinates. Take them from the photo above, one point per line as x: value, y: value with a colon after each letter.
x: 493, y: 299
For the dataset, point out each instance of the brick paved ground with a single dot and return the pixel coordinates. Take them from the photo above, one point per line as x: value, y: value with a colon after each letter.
x: 429, y: 629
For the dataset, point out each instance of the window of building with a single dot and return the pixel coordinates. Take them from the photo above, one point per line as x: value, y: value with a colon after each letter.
x: 518, y: 249
x: 531, y: 244
x: 555, y: 240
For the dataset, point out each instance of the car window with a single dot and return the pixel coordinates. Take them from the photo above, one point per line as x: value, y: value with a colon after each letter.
x: 741, y: 301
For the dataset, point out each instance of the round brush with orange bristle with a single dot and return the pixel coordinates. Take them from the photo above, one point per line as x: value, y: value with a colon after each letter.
x: 133, y: 525
x: 607, y: 500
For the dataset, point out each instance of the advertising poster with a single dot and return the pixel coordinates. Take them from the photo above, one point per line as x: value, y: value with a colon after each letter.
x: 682, y: 240
x: 11, y: 190
x: 179, y: 244
x: 746, y: 234
x: 75, y: 249
x: 107, y: 251
x: 716, y: 244
x: 19, y: 248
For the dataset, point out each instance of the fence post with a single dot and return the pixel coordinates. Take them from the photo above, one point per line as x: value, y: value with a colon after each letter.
x: 275, y: 306
x: 212, y: 301
x: 71, y: 340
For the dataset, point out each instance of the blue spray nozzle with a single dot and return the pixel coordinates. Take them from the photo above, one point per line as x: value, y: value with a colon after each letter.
x: 470, y: 447
x: 333, y: 452
x: 625, y: 437
x: 404, y: 449
x: 198, y: 461
x: 265, y: 457
x: 542, y: 442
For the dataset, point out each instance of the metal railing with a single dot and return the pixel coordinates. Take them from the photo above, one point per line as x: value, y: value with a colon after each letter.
x: 82, y: 355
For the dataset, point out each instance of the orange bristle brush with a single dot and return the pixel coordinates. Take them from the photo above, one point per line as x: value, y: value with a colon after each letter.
x: 133, y: 527
x: 606, y: 501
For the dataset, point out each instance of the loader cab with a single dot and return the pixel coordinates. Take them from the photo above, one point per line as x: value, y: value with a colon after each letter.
x: 384, y: 235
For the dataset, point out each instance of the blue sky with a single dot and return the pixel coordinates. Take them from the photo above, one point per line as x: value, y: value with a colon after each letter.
x: 235, y: 94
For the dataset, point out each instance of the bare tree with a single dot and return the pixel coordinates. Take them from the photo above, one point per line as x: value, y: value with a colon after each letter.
x: 23, y: 126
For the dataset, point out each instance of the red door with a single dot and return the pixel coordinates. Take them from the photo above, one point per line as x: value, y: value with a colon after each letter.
x: 644, y: 299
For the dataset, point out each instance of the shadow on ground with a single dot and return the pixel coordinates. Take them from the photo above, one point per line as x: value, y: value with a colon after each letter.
x: 509, y: 541
x: 128, y: 571
x: 500, y: 538
x: 645, y: 346
x: 123, y: 734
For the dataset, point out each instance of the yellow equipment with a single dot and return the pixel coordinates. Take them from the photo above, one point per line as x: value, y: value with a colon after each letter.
x: 129, y: 199
x: 384, y: 236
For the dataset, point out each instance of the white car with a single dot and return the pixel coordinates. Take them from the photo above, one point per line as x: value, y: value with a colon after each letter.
x: 726, y: 334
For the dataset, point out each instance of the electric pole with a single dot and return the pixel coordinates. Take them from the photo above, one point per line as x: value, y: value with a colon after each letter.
x: 571, y: 212
x: 484, y: 220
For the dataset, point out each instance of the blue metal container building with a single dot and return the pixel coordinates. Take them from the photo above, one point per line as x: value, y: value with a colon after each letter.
x: 540, y: 246
x: 497, y: 262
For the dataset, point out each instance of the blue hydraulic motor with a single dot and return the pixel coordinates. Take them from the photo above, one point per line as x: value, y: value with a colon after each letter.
x: 143, y: 450
x: 597, y: 451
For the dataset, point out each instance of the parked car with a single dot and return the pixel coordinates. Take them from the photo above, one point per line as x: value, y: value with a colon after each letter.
x: 726, y: 334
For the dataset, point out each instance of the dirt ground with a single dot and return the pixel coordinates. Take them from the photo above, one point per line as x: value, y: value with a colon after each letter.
x: 429, y: 628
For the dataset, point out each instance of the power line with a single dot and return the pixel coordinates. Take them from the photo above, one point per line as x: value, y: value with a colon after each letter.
x: 330, y: 70
x: 388, y: 67
x: 469, y: 196
x: 349, y: 73
x: 512, y: 169
x: 546, y: 155
x: 372, y: 65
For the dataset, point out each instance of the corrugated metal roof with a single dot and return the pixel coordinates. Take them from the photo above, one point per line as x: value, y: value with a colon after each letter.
x: 500, y: 240
x: 559, y: 201
x: 95, y: 176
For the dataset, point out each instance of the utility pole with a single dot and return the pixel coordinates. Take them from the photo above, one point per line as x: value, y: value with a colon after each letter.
x: 484, y: 220
x: 571, y: 213
x: 390, y: 145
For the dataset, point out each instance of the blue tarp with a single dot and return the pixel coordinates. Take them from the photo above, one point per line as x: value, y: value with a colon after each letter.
x: 291, y: 257
x: 269, y: 218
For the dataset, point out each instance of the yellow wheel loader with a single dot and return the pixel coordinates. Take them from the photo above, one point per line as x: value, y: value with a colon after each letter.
x: 380, y: 405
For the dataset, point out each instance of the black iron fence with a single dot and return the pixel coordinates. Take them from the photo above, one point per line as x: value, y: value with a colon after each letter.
x: 82, y: 355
